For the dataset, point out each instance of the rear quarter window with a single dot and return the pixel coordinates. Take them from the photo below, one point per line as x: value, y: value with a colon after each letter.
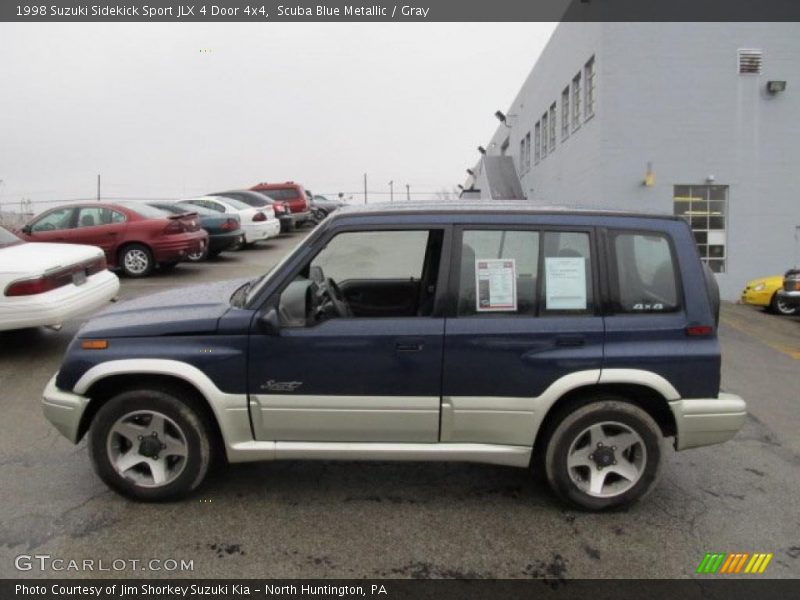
x: 645, y: 278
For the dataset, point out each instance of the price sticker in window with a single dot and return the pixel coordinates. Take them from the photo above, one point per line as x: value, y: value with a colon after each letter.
x: 496, y: 285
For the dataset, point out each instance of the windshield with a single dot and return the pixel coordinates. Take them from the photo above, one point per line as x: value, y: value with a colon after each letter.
x: 178, y: 209
x: 7, y: 238
x: 145, y: 210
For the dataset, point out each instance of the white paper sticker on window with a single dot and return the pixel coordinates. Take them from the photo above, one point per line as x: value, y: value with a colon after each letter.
x: 496, y: 283
x: 565, y: 281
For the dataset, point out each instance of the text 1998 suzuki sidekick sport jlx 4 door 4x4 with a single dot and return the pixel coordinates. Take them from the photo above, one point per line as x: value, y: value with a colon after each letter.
x: 570, y: 341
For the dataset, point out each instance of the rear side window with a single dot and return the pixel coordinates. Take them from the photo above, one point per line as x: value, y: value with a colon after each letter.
x: 498, y: 272
x: 567, y: 286
x: 646, y: 279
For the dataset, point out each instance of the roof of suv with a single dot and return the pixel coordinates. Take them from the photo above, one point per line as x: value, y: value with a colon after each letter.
x: 486, y: 207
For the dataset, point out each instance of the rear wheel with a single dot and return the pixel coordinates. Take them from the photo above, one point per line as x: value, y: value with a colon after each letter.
x: 149, y: 444
x: 780, y: 307
x: 604, y: 455
x: 198, y: 256
x: 136, y: 260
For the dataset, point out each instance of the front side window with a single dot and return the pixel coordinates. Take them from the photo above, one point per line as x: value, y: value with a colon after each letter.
x: 645, y: 273
x: 366, y: 274
x: 704, y: 207
x: 53, y: 221
x: 498, y: 272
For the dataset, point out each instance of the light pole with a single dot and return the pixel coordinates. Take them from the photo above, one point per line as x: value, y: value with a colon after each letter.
x: 391, y: 191
x: 408, y: 192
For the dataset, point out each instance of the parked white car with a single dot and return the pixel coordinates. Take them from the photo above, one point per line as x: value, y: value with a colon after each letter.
x: 46, y: 284
x: 258, y: 223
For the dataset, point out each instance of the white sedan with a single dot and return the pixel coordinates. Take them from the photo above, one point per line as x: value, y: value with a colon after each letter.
x: 258, y: 223
x: 46, y: 284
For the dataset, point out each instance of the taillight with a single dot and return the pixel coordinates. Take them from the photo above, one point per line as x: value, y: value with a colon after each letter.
x: 259, y: 216
x: 230, y: 225
x: 31, y: 287
x: 174, y: 227
x: 699, y: 330
x: 279, y: 208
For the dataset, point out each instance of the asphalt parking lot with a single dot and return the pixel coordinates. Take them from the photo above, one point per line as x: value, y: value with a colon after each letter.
x: 326, y: 519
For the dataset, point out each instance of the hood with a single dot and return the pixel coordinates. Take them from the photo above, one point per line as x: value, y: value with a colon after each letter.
x: 182, y: 311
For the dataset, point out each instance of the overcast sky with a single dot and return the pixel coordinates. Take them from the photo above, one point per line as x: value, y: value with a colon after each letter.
x: 167, y: 110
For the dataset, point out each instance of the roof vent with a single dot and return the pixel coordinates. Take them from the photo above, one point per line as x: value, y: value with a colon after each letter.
x: 749, y: 61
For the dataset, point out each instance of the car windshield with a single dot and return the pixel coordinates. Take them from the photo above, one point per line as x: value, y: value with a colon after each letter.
x: 237, y: 204
x: 253, y: 200
x: 7, y: 238
x: 145, y: 210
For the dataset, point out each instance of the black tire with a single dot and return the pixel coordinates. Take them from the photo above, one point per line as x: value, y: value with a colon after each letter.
x: 199, y: 256
x: 616, y: 415
x: 214, y: 253
x: 181, y: 421
x: 136, y: 260
x: 780, y: 307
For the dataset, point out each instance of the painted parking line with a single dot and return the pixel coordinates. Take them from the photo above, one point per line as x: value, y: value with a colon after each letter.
x: 787, y: 350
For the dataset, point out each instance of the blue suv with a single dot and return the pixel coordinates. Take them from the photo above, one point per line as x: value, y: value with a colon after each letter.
x: 572, y: 342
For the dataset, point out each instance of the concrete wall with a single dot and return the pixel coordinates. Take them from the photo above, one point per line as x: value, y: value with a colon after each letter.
x: 670, y: 94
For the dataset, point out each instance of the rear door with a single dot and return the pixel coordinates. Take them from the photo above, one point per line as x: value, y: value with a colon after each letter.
x: 525, y: 316
x: 99, y: 226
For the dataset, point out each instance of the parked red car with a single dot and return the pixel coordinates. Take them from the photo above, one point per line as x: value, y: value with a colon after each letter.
x: 135, y: 237
x: 290, y: 192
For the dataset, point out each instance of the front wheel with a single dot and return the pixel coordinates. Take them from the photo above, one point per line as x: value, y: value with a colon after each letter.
x: 604, y: 455
x: 149, y: 444
x: 780, y: 307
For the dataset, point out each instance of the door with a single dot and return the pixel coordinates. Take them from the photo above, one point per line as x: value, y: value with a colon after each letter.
x: 370, y: 372
x: 525, y: 317
x: 99, y: 226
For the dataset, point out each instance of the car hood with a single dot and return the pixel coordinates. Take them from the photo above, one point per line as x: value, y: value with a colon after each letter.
x: 182, y: 311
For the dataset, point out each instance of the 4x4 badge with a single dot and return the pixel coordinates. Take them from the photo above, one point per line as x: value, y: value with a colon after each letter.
x: 281, y: 386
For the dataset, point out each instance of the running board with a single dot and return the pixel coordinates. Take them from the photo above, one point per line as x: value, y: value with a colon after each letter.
x: 513, y: 456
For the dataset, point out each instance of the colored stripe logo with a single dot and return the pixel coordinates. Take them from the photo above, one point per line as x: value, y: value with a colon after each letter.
x: 722, y: 563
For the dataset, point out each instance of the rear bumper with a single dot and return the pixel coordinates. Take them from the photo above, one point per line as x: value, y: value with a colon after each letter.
x: 706, y: 421
x: 173, y: 248
x: 64, y: 410
x: 56, y: 306
x: 219, y: 242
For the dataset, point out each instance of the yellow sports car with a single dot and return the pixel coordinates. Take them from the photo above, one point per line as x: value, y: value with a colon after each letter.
x: 761, y: 292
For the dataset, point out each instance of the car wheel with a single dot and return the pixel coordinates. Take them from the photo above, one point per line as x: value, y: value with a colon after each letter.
x: 604, y: 455
x: 780, y: 307
x: 149, y: 445
x: 198, y: 256
x: 136, y: 260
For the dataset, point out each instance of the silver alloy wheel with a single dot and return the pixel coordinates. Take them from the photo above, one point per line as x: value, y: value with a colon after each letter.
x: 783, y: 307
x: 148, y: 448
x: 136, y: 261
x: 606, y: 459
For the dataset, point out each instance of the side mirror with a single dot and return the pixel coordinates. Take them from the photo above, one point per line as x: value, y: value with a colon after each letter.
x: 27, y: 230
x: 269, y: 323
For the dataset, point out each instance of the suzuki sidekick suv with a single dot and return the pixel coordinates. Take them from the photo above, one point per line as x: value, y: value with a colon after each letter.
x: 572, y: 342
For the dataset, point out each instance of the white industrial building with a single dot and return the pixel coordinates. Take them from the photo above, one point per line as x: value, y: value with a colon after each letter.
x: 696, y: 119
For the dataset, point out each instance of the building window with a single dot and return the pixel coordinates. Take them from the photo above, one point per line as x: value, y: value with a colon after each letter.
x: 704, y: 207
x: 528, y: 151
x: 552, y: 130
x: 537, y: 140
x: 589, y: 96
x: 565, y: 114
x: 544, y: 134
x: 576, y: 102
